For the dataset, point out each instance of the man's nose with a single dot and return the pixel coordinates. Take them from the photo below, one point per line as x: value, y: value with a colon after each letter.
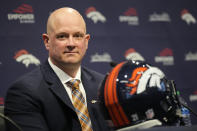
x: 70, y: 41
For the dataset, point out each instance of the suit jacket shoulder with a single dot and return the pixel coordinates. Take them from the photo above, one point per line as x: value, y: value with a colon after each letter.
x: 92, y: 74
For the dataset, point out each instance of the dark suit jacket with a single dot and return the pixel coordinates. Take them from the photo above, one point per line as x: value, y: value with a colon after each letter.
x: 39, y: 102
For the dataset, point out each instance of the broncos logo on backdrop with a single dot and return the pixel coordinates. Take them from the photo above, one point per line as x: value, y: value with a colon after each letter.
x: 187, y: 17
x: 94, y: 15
x: 131, y: 54
x: 24, y: 57
x: 143, y: 77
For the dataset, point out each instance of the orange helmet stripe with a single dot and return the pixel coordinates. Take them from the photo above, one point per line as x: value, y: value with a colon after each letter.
x: 106, y: 100
x: 111, y: 101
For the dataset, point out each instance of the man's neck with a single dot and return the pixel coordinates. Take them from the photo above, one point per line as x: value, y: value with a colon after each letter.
x: 69, y: 68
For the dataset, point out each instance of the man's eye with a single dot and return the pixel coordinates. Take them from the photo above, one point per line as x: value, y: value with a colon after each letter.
x: 78, y: 35
x: 61, y: 36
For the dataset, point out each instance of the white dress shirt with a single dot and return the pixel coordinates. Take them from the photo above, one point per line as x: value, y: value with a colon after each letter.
x: 64, y: 78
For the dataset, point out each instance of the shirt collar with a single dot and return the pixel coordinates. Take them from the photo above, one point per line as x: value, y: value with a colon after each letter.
x: 64, y: 77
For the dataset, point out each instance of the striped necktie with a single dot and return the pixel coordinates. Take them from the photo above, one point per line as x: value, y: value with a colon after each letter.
x: 80, y: 105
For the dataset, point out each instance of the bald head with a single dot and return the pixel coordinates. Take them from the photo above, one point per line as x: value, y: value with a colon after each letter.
x: 65, y: 14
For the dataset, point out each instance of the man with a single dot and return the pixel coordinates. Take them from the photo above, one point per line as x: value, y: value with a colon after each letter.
x: 41, y: 100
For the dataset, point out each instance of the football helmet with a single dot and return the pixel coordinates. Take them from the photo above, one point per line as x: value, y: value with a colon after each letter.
x: 135, y: 92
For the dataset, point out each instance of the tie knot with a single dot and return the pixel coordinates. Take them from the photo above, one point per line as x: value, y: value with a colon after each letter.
x: 74, y: 83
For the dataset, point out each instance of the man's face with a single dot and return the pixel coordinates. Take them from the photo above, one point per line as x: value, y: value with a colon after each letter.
x: 67, y: 41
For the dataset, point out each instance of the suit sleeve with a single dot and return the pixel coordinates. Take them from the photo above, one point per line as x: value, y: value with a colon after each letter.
x: 22, y: 106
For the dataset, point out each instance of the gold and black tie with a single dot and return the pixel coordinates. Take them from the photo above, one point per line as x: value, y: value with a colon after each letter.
x: 80, y: 105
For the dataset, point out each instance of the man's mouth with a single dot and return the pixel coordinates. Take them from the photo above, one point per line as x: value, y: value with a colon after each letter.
x: 70, y: 52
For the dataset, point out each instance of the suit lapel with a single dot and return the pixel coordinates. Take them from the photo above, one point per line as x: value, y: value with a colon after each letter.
x: 58, y: 90
x: 89, y: 84
x: 55, y: 84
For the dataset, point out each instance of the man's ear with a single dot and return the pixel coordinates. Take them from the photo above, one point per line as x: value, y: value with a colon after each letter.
x: 87, y: 38
x: 45, y: 38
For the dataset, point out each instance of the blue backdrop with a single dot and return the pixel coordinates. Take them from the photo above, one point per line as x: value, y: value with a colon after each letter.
x: 161, y: 32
